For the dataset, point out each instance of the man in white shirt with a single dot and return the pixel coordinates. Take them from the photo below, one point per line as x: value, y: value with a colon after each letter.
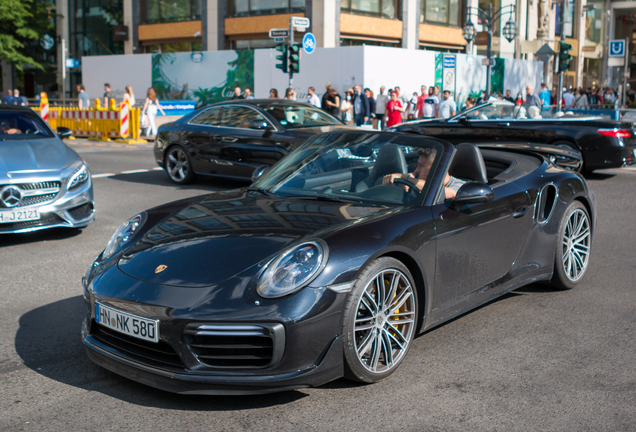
x: 448, y: 107
x: 431, y: 104
x: 248, y: 93
x: 404, y: 100
x: 312, y: 98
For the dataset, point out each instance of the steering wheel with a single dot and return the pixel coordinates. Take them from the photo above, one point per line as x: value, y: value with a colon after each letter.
x: 408, y: 184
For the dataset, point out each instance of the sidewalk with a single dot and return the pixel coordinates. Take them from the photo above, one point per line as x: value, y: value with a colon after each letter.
x: 95, y: 143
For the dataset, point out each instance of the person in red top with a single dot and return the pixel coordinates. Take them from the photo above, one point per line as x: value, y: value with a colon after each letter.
x: 420, y: 103
x: 394, y: 110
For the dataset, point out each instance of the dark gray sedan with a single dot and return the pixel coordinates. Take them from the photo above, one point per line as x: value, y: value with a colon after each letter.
x: 43, y: 182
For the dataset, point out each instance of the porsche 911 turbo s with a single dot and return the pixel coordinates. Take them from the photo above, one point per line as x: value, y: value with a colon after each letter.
x: 330, y: 263
x: 43, y: 182
x: 603, y: 143
x: 237, y: 139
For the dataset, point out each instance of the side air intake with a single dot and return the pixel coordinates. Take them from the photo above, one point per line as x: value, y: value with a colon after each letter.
x: 546, y: 202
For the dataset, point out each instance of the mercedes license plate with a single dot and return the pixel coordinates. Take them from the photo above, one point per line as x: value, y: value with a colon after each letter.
x: 129, y: 324
x: 12, y: 216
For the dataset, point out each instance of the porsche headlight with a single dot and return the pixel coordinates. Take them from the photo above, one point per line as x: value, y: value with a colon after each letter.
x: 291, y: 270
x: 122, y: 236
x: 79, y: 176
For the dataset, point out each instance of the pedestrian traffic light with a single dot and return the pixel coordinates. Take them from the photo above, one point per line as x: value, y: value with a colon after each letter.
x: 564, y: 56
x: 294, y: 58
x: 282, y: 57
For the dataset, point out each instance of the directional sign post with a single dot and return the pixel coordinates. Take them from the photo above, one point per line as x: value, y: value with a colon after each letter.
x: 545, y: 53
x: 278, y: 33
x: 301, y: 23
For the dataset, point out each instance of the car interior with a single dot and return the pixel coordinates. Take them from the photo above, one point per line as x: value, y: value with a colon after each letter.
x: 17, y: 125
x: 357, y: 171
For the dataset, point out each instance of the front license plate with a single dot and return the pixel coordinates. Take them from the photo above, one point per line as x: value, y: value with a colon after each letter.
x: 122, y: 322
x: 11, y: 216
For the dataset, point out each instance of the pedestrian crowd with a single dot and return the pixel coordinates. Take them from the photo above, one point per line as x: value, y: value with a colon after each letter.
x: 13, y: 98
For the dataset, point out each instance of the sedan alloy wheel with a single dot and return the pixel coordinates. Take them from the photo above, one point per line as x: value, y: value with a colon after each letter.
x: 178, y: 166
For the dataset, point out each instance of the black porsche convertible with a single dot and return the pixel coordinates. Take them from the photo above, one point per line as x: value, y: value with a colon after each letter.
x: 603, y: 143
x: 330, y: 263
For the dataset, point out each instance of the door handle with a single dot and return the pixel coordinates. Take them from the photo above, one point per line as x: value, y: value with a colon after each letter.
x: 228, y: 139
x: 520, y: 212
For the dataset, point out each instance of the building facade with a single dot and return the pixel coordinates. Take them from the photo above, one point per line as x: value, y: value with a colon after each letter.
x: 101, y: 27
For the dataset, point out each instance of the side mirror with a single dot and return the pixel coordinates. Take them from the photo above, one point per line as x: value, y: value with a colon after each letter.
x: 64, y: 132
x: 258, y: 172
x: 472, y: 193
x: 259, y: 124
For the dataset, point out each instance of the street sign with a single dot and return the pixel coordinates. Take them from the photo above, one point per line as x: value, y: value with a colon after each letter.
x: 545, y: 53
x: 309, y: 43
x: 279, y: 39
x: 72, y: 63
x: 449, y: 62
x: 617, y: 48
x: 278, y: 33
x: 301, y: 23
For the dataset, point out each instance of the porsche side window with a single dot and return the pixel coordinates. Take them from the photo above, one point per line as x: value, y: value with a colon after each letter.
x: 209, y: 117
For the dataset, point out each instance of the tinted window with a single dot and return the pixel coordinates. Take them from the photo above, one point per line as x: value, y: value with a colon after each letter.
x: 240, y: 117
x: 17, y: 125
x: 296, y: 116
x: 208, y: 117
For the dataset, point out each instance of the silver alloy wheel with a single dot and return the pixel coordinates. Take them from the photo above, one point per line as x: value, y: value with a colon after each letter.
x: 576, y: 245
x: 177, y: 164
x: 385, y: 321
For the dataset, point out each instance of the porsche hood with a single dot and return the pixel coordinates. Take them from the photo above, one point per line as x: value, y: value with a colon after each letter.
x: 221, y: 235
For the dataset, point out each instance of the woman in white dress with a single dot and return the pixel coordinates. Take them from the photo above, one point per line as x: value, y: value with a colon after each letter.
x: 129, y: 96
x: 150, y: 108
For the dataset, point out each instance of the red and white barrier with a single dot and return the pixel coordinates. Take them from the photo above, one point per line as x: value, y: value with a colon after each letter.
x: 44, y: 107
x: 125, y: 119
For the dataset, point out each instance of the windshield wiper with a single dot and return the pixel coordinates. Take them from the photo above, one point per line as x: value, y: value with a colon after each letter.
x: 261, y: 191
x: 328, y: 198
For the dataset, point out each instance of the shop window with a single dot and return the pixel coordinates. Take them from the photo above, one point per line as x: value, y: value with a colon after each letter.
x: 376, y: 8
x: 167, y: 11
x: 264, y: 7
x: 440, y: 12
x: 173, y: 47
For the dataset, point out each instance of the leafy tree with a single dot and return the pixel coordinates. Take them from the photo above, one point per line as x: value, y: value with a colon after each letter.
x: 22, y: 24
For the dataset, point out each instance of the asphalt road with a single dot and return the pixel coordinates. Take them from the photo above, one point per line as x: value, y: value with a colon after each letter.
x: 535, y: 359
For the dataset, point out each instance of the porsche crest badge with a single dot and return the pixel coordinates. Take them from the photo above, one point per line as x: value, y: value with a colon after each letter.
x: 161, y: 268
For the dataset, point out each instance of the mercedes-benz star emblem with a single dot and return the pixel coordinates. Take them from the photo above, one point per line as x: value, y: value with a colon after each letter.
x: 10, y: 196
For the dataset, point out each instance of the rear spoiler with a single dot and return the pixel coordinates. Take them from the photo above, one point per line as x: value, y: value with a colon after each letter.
x: 562, y: 156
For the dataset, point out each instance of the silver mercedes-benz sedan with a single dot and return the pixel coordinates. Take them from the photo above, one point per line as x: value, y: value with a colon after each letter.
x: 43, y: 182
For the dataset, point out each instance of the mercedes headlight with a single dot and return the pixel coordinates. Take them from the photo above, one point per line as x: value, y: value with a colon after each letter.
x: 292, y: 270
x: 79, y: 176
x: 122, y: 236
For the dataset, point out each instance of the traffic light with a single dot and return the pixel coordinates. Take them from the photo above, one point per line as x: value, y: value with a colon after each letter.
x: 294, y: 58
x: 564, y: 56
x: 282, y: 57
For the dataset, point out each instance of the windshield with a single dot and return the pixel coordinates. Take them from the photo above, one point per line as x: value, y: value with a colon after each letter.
x: 21, y: 125
x: 298, y: 116
x: 491, y: 112
x: 370, y: 168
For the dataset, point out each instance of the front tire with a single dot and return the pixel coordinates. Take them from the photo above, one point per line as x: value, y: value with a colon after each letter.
x: 379, y: 320
x: 573, y: 247
x: 179, y: 165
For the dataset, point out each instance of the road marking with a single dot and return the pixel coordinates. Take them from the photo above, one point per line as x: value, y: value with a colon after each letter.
x: 139, y: 171
x: 134, y: 171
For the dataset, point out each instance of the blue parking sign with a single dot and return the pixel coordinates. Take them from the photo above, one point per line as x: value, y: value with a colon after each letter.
x: 617, y: 48
x: 309, y: 43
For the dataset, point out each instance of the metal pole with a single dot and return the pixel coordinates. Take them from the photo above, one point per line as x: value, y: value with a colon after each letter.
x: 624, y: 95
x: 489, y: 52
x: 63, y: 71
x: 560, y: 89
x: 291, y: 41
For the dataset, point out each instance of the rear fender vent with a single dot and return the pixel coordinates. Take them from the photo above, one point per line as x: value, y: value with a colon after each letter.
x: 546, y: 201
x: 236, y: 346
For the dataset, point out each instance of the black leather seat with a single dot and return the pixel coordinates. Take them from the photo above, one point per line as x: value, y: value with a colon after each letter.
x: 468, y: 164
x: 390, y: 160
